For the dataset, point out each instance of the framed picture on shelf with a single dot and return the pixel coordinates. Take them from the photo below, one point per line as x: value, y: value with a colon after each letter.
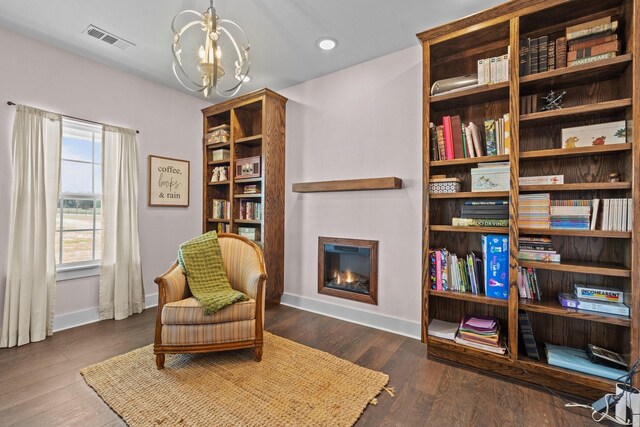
x: 168, y: 182
x: 248, y: 167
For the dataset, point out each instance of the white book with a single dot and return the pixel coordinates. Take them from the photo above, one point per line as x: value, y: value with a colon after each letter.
x: 625, y: 208
x: 493, y: 70
x: 630, y: 215
x: 487, y: 70
x: 481, y: 80
x: 594, y: 213
x: 505, y: 65
x: 442, y: 329
x: 469, y: 137
x: 605, y: 214
x: 541, y: 180
x: 498, y: 70
x: 614, y: 217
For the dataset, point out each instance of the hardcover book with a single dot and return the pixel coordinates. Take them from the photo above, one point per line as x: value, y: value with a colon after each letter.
x: 598, y: 294
x: 495, y: 254
x: 590, y: 59
x: 561, y: 52
x: 490, y: 137
x: 578, y: 360
x: 592, y: 135
x: 527, y: 335
x: 570, y: 301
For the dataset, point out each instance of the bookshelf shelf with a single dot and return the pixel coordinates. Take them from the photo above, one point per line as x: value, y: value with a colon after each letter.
x: 467, y: 296
x: 219, y: 162
x: 476, y: 95
x: 576, y: 233
x: 577, y: 266
x: 247, y: 196
x: 451, y: 228
x: 582, y: 186
x: 575, y: 113
x: 220, y: 183
x: 572, y: 76
x: 470, y: 161
x: 218, y: 145
x: 597, y: 92
x: 216, y: 220
x: 470, y: 195
x: 250, y: 140
x: 247, y: 180
x: 571, y: 152
x: 552, y: 306
x: 247, y: 221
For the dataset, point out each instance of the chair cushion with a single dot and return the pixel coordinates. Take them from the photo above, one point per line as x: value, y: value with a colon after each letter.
x: 189, y: 311
x: 213, y: 333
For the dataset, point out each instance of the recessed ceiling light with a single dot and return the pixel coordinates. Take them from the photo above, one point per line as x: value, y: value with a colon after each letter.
x: 245, y: 79
x: 327, y: 43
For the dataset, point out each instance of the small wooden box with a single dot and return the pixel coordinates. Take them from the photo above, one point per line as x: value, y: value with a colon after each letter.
x: 220, y: 155
x: 444, y: 185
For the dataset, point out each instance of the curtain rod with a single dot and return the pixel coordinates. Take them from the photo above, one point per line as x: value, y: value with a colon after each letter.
x: 71, y: 117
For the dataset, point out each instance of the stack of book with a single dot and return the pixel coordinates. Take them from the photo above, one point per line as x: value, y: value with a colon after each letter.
x: 570, y: 214
x: 608, y: 301
x: 250, y: 189
x: 483, y: 213
x: 493, y: 70
x: 537, y: 249
x: 441, y: 329
x: 578, y: 360
x: 218, y: 135
x: 223, y: 228
x: 541, y: 180
x: 482, y: 333
x: 490, y: 177
x: 528, y: 284
x: 592, y: 41
x: 612, y: 214
x: 534, y: 210
x: 251, y: 233
x: 221, y: 209
x: 448, y: 272
x: 455, y: 140
x: 250, y: 210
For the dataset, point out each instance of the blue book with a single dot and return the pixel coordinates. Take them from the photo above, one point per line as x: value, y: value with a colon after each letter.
x: 495, y: 254
x: 577, y: 360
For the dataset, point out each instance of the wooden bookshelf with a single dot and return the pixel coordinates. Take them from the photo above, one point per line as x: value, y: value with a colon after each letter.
x: 597, y: 92
x: 257, y: 127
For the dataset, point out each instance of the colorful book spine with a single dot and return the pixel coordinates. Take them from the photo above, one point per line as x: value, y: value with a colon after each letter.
x: 438, y: 270
x: 569, y: 301
x: 598, y: 294
x: 448, y: 138
x: 495, y: 253
x: 538, y: 256
x: 442, y: 155
x: 507, y: 133
x: 432, y: 269
x: 490, y: 137
x: 479, y: 222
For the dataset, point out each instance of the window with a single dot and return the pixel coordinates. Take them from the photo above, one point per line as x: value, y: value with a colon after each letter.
x: 78, y: 220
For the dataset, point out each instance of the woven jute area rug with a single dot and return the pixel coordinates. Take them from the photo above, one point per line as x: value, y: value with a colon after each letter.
x: 293, y: 385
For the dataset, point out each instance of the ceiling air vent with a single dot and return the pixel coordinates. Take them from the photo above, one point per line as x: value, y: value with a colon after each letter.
x: 106, y: 37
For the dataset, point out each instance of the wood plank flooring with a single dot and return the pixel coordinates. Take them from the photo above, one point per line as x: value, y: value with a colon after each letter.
x: 41, y: 385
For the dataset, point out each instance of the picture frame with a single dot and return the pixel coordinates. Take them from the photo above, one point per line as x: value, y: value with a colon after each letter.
x: 249, y: 167
x: 168, y: 182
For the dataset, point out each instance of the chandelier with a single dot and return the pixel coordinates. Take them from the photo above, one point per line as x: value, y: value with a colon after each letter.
x: 220, y: 64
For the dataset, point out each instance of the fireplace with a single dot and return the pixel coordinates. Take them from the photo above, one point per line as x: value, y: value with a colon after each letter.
x: 348, y: 268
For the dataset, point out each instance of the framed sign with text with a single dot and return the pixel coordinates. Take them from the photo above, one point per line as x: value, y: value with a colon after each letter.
x: 168, y: 182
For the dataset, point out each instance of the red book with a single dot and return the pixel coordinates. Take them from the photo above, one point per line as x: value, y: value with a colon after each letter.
x: 579, y: 44
x: 598, y: 49
x: 448, y: 138
x: 456, y: 136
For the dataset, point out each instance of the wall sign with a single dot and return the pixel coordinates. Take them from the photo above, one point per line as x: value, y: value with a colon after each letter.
x: 168, y: 181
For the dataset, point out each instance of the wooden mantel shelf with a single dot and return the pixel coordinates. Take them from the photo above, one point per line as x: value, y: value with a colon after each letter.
x: 386, y: 183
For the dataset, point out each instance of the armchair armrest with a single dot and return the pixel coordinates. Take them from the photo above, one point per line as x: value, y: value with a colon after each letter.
x: 172, y: 286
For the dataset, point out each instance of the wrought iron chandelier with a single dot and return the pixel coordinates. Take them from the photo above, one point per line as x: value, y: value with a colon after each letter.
x: 225, y: 48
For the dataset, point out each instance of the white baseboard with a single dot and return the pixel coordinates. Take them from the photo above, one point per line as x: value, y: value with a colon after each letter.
x: 89, y: 315
x: 378, y: 321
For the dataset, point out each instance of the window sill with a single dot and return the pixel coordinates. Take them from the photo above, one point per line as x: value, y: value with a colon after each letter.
x: 77, y: 272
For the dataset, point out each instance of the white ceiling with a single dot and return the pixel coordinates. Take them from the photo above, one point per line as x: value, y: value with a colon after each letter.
x: 283, y: 33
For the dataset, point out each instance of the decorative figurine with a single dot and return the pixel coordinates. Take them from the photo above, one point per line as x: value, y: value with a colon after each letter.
x: 554, y: 102
x: 215, y: 175
x: 614, y: 177
x: 223, y: 174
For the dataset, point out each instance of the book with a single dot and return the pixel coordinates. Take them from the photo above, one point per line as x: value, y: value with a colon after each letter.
x: 551, y: 55
x: 481, y: 77
x: 442, y: 155
x: 541, y: 180
x: 526, y: 333
x: 577, y: 360
x: 598, y: 294
x: 469, y: 141
x: 527, y: 57
x: 596, y: 29
x: 479, y: 222
x: 495, y: 256
x: 477, y: 140
x: 591, y: 59
x: 433, y: 142
x: 441, y: 329
x: 605, y: 357
x: 596, y: 40
x: 593, y: 135
x: 490, y: 137
x: 538, y: 256
x: 507, y: 133
x: 522, y: 57
x: 594, y: 214
x: 493, y: 70
x: 570, y: 301
x: 588, y: 24
x: 561, y: 52
x: 533, y: 53
x: 599, y: 49
x: 456, y: 138
x: 486, y: 202
x: 543, y: 42
x: 448, y: 137
x: 498, y: 350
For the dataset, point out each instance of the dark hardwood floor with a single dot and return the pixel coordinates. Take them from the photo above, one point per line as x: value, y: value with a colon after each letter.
x: 40, y: 383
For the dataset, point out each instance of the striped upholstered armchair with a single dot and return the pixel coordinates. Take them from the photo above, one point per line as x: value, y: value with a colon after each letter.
x: 182, y: 326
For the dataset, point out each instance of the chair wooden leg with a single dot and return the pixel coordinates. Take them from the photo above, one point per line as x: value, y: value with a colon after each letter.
x: 258, y: 351
x: 160, y: 361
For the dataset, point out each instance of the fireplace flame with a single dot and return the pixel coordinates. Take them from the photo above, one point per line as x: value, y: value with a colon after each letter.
x: 349, y: 277
x: 337, y: 277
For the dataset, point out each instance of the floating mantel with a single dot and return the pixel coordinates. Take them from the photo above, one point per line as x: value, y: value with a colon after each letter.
x: 386, y: 183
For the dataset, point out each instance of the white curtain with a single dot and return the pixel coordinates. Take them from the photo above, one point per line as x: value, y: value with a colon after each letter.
x: 31, y: 274
x: 121, y: 290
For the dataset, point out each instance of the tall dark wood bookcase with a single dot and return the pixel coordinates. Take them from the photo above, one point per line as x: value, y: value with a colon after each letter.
x: 257, y: 124
x: 597, y: 92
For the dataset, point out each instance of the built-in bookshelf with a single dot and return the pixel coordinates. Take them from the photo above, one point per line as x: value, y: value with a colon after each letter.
x: 596, y: 92
x: 254, y: 186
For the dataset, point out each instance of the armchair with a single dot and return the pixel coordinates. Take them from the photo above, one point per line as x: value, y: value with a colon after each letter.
x: 182, y: 326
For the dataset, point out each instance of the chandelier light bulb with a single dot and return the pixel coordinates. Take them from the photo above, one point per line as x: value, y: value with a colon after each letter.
x: 210, y: 66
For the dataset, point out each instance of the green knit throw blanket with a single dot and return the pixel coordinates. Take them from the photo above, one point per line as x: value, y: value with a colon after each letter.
x: 201, y: 260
